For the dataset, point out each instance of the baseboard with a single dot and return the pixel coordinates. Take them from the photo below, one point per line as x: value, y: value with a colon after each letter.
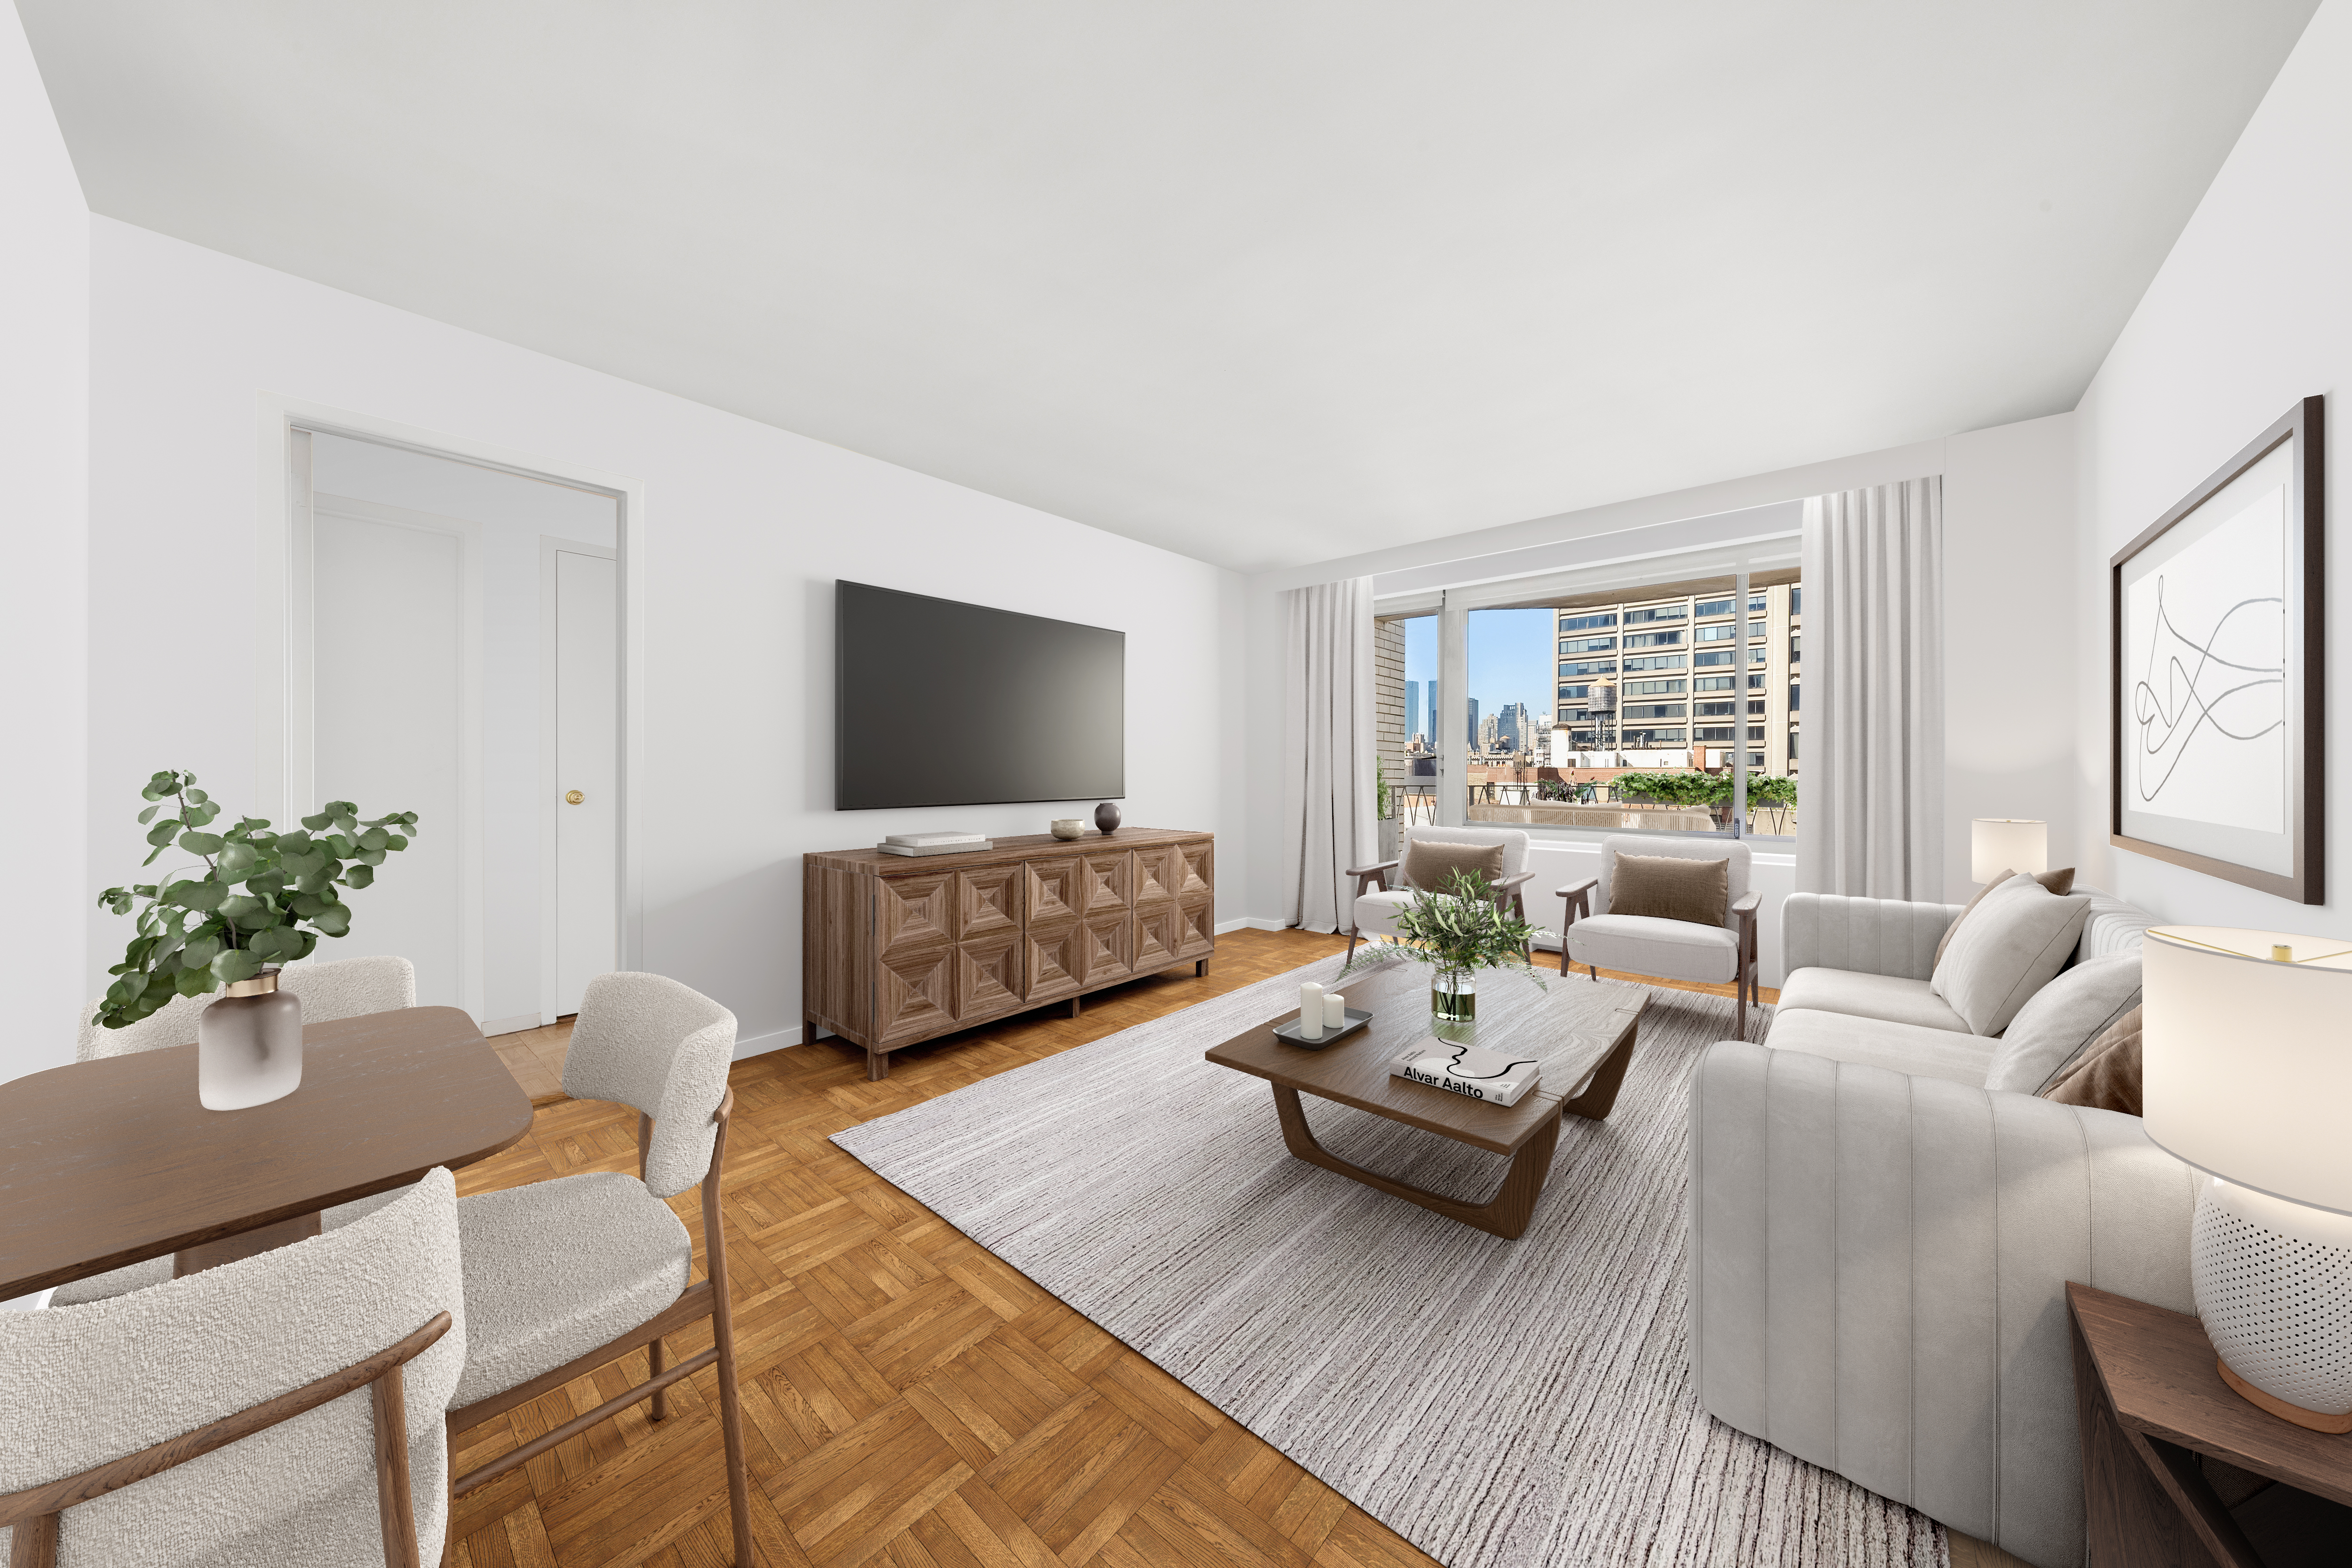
x: 761, y: 1044
x: 513, y: 1026
x: 1249, y: 922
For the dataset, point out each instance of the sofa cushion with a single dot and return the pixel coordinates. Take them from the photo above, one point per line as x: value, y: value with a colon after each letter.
x: 1433, y: 866
x: 1672, y: 887
x: 1643, y: 944
x: 2061, y: 1021
x: 1874, y: 1042
x: 1859, y: 995
x: 2019, y: 937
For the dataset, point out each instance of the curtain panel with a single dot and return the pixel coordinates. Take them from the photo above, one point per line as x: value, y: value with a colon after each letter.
x: 1871, y: 820
x: 1327, y: 720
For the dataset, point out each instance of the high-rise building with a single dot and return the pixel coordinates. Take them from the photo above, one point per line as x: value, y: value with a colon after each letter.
x: 1513, y: 728
x: 1693, y: 673
x: 1412, y: 707
x: 1490, y: 733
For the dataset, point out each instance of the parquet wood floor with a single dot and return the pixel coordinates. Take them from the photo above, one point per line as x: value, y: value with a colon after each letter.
x: 910, y: 1401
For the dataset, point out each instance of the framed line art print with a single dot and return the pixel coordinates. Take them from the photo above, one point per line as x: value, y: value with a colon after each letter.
x: 2215, y: 673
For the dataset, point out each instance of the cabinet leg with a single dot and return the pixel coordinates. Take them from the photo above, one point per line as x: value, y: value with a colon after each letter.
x: 808, y: 1031
x: 1200, y: 967
x: 1074, y: 1002
x: 877, y: 1066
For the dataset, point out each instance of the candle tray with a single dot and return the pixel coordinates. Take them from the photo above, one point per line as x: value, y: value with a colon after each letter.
x: 1288, y: 1031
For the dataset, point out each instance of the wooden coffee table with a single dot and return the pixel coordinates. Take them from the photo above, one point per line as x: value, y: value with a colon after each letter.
x: 1580, y: 1030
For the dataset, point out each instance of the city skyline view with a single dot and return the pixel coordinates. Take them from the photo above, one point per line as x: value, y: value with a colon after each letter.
x: 1511, y: 660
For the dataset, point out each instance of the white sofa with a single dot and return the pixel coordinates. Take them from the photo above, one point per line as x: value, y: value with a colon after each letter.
x: 1879, y: 1245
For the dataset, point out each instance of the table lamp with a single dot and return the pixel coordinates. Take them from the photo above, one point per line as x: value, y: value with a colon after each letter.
x: 2246, y: 1072
x: 2017, y: 844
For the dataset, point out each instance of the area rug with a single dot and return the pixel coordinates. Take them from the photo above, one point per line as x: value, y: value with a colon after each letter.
x: 1496, y: 1402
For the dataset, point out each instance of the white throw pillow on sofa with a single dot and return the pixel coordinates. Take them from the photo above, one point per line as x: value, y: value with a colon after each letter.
x: 2007, y: 949
x: 2061, y: 1019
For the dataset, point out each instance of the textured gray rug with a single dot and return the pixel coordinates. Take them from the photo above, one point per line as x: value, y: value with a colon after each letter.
x: 1494, y: 1402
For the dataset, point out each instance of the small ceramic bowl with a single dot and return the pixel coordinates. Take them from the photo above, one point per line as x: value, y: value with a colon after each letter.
x: 1070, y: 827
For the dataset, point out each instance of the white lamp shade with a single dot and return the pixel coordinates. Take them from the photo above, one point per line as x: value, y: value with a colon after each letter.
x: 2246, y: 1062
x: 2014, y: 844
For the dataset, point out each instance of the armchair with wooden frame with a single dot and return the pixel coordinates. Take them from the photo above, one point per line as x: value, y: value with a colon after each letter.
x: 564, y: 1276
x: 158, y: 1425
x: 1376, y: 903
x: 1667, y: 949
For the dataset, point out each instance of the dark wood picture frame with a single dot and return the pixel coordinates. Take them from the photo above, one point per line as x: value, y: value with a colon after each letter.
x: 2306, y: 764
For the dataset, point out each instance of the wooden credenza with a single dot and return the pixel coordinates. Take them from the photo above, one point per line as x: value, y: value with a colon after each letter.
x: 896, y: 950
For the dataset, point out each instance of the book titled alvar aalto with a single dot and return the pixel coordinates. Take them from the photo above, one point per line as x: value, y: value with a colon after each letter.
x: 1471, y: 1071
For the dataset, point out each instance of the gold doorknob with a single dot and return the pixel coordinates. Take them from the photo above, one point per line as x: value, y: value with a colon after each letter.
x: 573, y: 797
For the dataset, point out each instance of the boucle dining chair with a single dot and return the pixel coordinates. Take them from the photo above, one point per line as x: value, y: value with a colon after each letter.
x: 1667, y: 949
x: 345, y: 988
x: 564, y: 1276
x: 284, y: 1409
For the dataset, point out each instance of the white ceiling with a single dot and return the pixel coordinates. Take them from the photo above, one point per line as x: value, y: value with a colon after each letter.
x: 1265, y: 283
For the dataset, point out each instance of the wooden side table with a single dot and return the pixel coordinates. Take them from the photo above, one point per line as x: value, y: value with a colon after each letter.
x: 2150, y: 1400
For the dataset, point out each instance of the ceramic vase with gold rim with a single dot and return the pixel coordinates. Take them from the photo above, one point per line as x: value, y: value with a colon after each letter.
x: 250, y: 1045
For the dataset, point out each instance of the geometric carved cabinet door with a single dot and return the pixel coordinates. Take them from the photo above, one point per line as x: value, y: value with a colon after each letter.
x: 1198, y: 872
x: 987, y: 976
x: 1196, y: 930
x: 910, y: 911
x: 1109, y: 883
x: 1050, y: 966
x: 1106, y: 946
x: 1155, y: 937
x: 1053, y: 891
x: 914, y: 994
x: 1157, y: 874
x: 987, y: 901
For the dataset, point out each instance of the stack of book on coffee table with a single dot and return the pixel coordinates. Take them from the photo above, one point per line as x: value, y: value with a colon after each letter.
x: 934, y: 843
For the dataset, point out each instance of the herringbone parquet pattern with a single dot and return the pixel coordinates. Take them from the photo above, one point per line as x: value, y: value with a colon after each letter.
x: 908, y: 1399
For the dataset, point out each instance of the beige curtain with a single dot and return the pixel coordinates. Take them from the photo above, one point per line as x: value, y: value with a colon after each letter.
x: 1871, y: 823
x: 1327, y: 718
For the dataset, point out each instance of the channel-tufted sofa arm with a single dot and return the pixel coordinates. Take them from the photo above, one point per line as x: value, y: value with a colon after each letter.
x: 1878, y: 1266
x: 1869, y: 936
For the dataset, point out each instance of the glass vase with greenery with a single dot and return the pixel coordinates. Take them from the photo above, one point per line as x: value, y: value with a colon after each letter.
x: 261, y: 897
x: 1456, y: 930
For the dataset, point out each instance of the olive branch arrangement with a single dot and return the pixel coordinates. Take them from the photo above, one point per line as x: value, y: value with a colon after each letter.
x: 1455, y: 930
x: 196, y: 933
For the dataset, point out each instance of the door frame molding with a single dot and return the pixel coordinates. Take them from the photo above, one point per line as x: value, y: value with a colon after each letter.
x: 550, y: 546
x: 282, y: 494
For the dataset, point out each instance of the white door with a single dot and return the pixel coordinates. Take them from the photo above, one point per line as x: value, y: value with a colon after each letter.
x: 388, y: 729
x: 586, y: 657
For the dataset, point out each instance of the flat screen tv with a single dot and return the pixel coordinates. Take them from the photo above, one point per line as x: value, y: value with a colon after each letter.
x: 941, y: 703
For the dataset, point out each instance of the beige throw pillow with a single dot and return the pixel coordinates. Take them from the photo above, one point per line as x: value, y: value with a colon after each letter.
x: 2018, y: 937
x: 2062, y: 1020
x: 1670, y: 888
x: 2061, y: 882
x: 1431, y: 864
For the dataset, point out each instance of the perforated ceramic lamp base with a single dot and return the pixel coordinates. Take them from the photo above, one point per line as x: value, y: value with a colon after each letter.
x: 249, y: 1045
x: 2273, y: 1283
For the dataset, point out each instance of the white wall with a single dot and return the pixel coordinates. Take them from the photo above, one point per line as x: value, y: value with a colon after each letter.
x: 2249, y: 314
x: 747, y: 527
x: 44, y: 592
x: 2009, y: 503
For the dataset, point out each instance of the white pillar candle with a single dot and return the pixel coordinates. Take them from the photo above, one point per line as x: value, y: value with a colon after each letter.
x: 1335, y: 1010
x: 1310, y: 1011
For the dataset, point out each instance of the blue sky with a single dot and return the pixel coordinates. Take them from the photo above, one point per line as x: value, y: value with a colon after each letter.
x: 1510, y: 657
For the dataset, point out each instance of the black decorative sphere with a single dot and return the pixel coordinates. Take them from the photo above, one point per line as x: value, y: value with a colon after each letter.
x: 1106, y: 817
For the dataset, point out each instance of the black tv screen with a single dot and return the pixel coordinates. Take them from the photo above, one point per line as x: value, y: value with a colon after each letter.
x: 940, y: 703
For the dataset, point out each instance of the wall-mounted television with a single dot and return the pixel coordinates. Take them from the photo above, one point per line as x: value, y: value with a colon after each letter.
x: 942, y: 704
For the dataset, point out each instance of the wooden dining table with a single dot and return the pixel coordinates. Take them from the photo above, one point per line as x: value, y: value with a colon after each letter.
x: 112, y: 1161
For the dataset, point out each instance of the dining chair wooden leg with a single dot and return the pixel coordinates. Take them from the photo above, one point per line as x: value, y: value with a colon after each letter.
x: 35, y: 1543
x: 654, y: 1368
x: 723, y: 1334
x: 396, y: 1510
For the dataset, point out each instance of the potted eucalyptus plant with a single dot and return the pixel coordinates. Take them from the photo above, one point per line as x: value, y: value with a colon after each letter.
x: 1457, y: 930
x: 258, y: 900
